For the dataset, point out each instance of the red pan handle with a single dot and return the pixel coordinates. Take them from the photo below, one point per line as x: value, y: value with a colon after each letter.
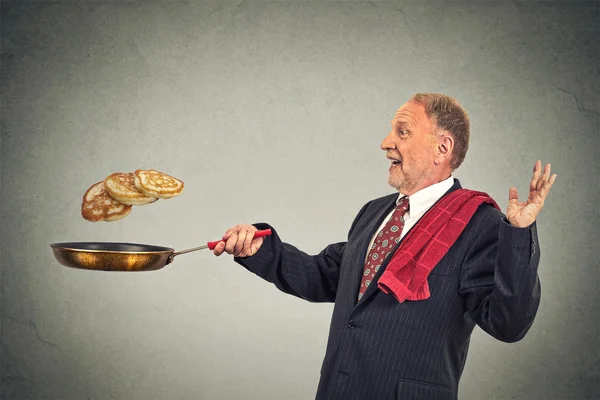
x: 257, y: 234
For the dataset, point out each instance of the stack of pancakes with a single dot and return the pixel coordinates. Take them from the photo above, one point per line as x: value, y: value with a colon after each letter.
x: 112, y: 199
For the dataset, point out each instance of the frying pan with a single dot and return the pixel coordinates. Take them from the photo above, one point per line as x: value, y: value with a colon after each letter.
x: 108, y: 256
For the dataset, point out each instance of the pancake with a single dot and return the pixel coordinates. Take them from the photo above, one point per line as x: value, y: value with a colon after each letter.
x: 97, y: 205
x: 121, y: 187
x: 157, y: 184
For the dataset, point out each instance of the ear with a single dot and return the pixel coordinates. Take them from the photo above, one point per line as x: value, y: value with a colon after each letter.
x: 444, y: 148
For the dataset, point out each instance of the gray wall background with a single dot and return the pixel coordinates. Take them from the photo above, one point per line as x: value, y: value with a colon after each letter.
x: 274, y: 111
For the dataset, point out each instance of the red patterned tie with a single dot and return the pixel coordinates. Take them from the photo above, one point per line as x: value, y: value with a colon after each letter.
x: 385, y: 240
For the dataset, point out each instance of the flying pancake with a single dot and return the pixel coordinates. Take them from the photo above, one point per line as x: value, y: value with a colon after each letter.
x: 97, y: 205
x: 121, y: 187
x: 157, y: 184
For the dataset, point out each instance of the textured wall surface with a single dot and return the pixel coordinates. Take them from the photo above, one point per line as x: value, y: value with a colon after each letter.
x: 274, y: 111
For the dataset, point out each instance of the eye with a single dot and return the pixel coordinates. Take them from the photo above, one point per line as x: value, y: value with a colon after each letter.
x: 402, y: 132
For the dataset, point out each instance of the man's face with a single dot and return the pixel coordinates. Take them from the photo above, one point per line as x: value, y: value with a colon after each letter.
x: 410, y: 146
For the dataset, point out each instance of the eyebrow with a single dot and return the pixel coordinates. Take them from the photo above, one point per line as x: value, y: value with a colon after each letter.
x: 401, y: 124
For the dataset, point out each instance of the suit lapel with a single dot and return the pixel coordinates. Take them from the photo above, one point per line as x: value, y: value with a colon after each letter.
x: 373, y: 287
x: 375, y: 220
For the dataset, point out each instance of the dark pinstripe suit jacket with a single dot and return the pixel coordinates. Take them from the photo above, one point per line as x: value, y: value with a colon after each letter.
x: 381, y: 349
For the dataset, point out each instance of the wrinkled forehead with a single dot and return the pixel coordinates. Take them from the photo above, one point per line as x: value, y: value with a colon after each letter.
x: 412, y: 114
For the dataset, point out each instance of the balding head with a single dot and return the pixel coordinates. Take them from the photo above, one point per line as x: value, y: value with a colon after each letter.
x: 448, y: 116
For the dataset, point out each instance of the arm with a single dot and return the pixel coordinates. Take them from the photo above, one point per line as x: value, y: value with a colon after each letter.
x: 313, y: 278
x: 310, y: 277
x: 499, y: 281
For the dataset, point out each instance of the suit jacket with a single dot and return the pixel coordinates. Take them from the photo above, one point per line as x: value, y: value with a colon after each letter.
x: 381, y: 349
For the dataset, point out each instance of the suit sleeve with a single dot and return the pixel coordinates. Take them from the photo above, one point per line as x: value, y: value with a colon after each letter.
x: 499, y: 281
x: 311, y: 277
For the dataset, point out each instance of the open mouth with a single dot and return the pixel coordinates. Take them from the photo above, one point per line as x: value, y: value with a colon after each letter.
x: 395, y: 161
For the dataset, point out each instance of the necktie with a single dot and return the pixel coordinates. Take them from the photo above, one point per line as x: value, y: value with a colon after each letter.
x: 385, y: 240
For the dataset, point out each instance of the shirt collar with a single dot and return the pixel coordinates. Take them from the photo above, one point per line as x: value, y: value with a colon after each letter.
x: 426, y: 197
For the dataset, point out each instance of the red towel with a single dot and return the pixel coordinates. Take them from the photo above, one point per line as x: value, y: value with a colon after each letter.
x: 426, y: 244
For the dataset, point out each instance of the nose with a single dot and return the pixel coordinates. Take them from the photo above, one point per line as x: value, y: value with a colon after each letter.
x: 388, y: 143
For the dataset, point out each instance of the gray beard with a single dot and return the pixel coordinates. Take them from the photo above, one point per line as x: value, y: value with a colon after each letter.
x: 408, y: 184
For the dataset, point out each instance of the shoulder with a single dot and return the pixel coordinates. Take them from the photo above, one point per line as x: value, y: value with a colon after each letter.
x: 485, y: 211
x: 489, y: 211
x: 486, y: 216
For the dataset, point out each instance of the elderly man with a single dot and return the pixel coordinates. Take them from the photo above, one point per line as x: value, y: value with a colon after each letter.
x: 419, y: 268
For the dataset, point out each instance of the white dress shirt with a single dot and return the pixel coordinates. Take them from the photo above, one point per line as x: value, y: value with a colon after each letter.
x: 419, y: 203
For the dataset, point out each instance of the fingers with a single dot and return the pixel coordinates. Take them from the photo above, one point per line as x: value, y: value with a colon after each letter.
x: 539, y: 179
x: 231, y: 242
x: 236, y: 241
x: 513, y: 195
x: 249, y: 237
x: 219, y: 249
x: 243, y: 246
x: 229, y: 231
x: 537, y: 171
x: 241, y: 239
x: 546, y: 188
x: 544, y: 178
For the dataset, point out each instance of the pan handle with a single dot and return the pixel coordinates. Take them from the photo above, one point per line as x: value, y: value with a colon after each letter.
x: 212, y: 245
x: 257, y: 234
